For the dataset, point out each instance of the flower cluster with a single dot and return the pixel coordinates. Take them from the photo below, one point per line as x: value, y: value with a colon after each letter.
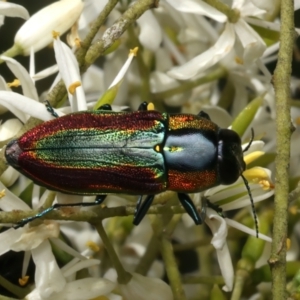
x: 177, y: 56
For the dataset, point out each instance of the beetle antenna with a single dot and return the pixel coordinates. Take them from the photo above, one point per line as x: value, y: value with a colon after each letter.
x: 251, y: 140
x: 252, y: 204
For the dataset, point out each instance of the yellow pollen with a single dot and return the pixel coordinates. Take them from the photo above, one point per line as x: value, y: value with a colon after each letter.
x: 15, y: 83
x: 2, y: 194
x: 23, y: 280
x: 297, y: 121
x: 293, y: 210
x: 288, y: 244
x: 77, y: 43
x: 133, y: 51
x: 150, y: 106
x: 157, y: 148
x: 73, y: 87
x: 55, y: 34
x: 238, y: 60
x: 266, y: 185
x: 93, y: 246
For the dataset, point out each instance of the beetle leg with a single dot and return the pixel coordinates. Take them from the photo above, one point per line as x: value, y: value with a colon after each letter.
x: 190, y: 208
x: 215, y: 207
x: 204, y: 115
x: 142, y: 208
x: 105, y: 107
x: 99, y: 199
x: 143, y: 106
x: 50, y: 109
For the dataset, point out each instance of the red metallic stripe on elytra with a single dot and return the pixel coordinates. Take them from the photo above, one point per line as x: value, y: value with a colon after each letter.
x: 102, y: 120
x: 88, y: 181
x: 186, y: 121
x: 191, y: 182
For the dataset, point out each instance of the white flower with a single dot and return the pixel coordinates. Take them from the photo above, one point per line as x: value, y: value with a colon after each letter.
x: 12, y: 10
x: 69, y: 70
x: 249, y: 44
x: 36, y: 33
x: 145, y: 288
x: 149, y: 28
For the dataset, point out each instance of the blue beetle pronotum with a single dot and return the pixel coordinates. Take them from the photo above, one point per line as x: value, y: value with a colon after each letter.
x: 143, y: 153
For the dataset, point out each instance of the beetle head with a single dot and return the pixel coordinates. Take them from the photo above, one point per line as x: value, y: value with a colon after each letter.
x: 230, y: 156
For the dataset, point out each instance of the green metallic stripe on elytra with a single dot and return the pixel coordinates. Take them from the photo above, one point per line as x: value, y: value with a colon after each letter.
x: 94, y: 148
x: 97, y: 138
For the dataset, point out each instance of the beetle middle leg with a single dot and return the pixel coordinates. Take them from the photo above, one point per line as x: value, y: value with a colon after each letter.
x: 99, y: 199
x: 142, y: 208
x: 190, y: 208
x: 145, y: 106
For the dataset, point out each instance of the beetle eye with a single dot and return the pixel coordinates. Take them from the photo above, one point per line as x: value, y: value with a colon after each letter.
x: 230, y: 156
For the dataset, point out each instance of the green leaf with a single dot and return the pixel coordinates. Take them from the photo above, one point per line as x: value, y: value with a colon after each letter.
x: 243, y: 120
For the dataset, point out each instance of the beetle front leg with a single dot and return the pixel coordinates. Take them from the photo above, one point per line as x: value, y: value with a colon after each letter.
x: 99, y: 199
x: 105, y: 107
x: 50, y: 109
x: 190, y: 208
x: 142, y: 208
x: 204, y: 115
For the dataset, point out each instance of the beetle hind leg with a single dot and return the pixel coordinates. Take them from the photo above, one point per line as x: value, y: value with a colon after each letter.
x: 142, y: 208
x: 190, y: 208
x: 99, y: 199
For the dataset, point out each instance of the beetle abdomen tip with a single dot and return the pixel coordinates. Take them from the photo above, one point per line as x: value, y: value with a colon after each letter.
x: 12, y: 153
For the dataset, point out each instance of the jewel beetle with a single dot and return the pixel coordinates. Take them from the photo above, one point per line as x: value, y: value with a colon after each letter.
x: 144, y: 152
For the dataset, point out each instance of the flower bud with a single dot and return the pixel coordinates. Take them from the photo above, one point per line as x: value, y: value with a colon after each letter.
x: 37, y: 31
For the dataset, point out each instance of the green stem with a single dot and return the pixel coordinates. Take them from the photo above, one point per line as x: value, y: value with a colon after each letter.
x: 283, y: 133
x: 114, y: 32
x: 12, y: 52
x: 14, y: 289
x: 123, y: 276
x: 86, y: 43
x: 232, y: 14
x: 172, y: 268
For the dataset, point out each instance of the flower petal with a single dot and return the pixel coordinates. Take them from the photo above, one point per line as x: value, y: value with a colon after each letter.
x: 48, y: 277
x: 149, y: 28
x: 253, y: 44
x: 19, y: 104
x: 139, y: 286
x: 218, y: 227
x: 21, y: 73
x: 13, y: 10
x: 84, y: 289
x: 36, y: 33
x: 247, y: 230
x: 31, y: 238
x: 69, y: 70
x: 198, y: 7
x: 208, y: 58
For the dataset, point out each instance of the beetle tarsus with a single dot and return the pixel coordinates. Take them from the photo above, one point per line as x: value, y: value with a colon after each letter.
x: 215, y: 207
x: 143, y: 106
x: 99, y: 199
x: 50, y: 109
x: 190, y: 208
x: 105, y: 107
x: 204, y: 115
x: 142, y: 208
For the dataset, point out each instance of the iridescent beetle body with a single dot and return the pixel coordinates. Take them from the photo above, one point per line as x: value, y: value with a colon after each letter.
x: 142, y: 153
